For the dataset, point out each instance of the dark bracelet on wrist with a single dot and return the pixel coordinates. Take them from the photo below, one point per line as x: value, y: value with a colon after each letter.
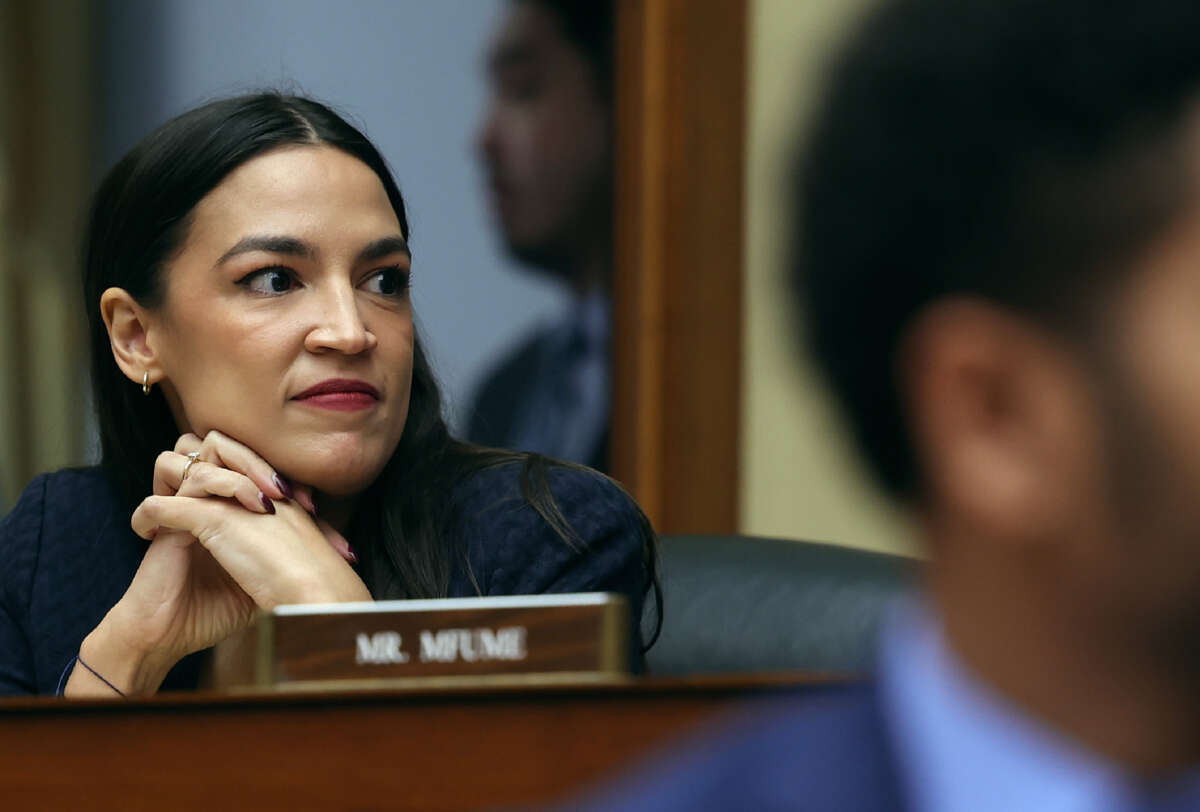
x: 62, y: 681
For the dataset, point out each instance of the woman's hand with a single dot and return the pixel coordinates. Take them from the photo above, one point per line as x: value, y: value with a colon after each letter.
x: 257, y: 547
x: 274, y: 550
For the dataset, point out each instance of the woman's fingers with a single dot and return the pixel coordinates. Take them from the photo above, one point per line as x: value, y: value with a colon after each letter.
x: 220, y: 449
x: 337, y: 541
x: 199, y: 517
x: 304, y: 498
x: 206, y: 479
x: 168, y: 468
x: 277, y: 559
x: 187, y: 443
x: 187, y: 475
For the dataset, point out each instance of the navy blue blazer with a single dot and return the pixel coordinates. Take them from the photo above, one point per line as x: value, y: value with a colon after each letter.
x: 825, y: 750
x: 69, y: 555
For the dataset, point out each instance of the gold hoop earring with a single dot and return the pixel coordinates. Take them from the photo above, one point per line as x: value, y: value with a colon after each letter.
x: 146, y: 382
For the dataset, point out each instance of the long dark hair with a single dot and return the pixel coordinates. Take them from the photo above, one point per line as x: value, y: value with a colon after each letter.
x: 139, y: 220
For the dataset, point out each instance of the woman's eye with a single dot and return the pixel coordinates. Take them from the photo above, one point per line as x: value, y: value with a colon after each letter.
x: 269, y: 281
x: 388, y: 281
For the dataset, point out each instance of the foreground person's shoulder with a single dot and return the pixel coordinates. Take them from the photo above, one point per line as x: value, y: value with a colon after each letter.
x: 823, y: 747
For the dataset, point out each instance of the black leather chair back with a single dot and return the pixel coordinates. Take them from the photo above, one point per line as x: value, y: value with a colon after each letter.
x: 742, y: 604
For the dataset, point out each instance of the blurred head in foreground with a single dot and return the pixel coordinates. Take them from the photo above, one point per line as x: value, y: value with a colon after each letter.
x: 999, y: 264
x: 998, y: 260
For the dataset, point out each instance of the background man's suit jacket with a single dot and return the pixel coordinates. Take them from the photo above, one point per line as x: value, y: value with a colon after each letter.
x: 501, y: 399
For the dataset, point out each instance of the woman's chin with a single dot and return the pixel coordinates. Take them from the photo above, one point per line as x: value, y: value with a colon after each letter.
x: 334, y: 480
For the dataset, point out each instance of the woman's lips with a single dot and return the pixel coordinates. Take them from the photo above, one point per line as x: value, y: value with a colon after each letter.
x: 340, y: 401
x: 340, y: 395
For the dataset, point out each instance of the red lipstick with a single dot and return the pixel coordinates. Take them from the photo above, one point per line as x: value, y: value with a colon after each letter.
x: 340, y: 395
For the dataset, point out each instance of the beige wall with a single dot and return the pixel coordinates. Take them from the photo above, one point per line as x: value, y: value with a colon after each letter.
x: 800, y: 477
x: 8, y: 469
x: 45, y: 93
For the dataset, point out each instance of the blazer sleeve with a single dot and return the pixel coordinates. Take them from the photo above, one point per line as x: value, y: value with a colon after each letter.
x: 20, y: 543
x: 522, y: 554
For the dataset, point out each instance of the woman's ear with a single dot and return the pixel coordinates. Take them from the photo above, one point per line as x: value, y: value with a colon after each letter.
x: 130, y: 331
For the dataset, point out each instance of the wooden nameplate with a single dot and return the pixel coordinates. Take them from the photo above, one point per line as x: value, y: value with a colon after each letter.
x: 376, y: 643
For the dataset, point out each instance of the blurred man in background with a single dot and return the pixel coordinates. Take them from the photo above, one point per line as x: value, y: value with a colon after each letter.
x: 547, y: 147
x: 998, y: 258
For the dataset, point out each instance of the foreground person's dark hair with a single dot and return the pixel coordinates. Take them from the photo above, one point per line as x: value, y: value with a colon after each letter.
x: 1015, y: 150
x: 139, y: 219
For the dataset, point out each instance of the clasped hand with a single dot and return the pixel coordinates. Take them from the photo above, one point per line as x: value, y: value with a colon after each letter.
x: 227, y: 536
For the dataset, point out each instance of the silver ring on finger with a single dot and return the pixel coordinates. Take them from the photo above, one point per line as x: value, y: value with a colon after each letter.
x: 191, y: 459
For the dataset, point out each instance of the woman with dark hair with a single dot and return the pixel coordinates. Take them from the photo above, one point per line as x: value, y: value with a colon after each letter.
x: 270, y: 422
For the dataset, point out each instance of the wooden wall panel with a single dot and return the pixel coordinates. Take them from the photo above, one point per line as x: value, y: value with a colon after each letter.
x: 681, y: 79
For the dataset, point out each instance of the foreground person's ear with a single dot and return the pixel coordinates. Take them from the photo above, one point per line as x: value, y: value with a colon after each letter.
x: 129, y: 333
x: 999, y: 417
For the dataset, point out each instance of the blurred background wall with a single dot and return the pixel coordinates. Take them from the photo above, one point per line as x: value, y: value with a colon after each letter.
x: 800, y: 476
x: 47, y: 58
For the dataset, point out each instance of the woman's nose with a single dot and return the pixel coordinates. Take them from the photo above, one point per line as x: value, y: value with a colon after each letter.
x: 338, y: 325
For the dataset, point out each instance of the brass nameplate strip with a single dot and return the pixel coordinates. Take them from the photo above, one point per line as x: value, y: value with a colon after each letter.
x: 454, y: 637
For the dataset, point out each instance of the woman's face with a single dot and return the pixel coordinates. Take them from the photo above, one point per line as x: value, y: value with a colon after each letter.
x: 286, y: 321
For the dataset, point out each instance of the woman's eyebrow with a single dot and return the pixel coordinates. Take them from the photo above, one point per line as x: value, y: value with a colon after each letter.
x: 383, y: 247
x: 271, y: 244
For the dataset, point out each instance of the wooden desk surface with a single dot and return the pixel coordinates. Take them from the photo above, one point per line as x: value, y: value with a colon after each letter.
x: 427, y: 747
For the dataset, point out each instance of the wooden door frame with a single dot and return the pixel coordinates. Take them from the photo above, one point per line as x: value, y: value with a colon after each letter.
x: 678, y: 255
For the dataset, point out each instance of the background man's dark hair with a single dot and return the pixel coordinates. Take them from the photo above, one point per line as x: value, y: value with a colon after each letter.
x: 1017, y: 150
x: 588, y: 26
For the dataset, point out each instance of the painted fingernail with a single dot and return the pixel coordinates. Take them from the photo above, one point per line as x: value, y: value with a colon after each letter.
x: 306, y: 501
x: 267, y: 504
x: 351, y: 555
x: 284, y: 486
